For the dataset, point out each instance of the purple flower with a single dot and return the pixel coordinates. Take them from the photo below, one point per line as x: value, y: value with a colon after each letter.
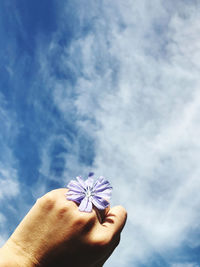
x: 89, y: 192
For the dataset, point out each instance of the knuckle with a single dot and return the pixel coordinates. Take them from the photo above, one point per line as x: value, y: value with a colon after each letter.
x: 80, y: 221
x: 47, y: 201
x: 91, y: 219
x: 62, y: 212
x: 85, y: 221
x: 78, y: 217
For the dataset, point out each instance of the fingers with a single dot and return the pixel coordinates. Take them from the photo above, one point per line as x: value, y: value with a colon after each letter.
x: 111, y: 220
x: 107, y: 234
x: 115, y: 220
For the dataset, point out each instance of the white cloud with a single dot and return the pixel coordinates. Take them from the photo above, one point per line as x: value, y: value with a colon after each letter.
x: 9, y: 183
x: 140, y: 84
x: 184, y: 265
x: 3, y: 236
x: 9, y: 186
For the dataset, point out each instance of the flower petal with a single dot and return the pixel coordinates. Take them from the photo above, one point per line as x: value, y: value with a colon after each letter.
x: 101, y: 185
x: 70, y: 193
x: 75, y: 186
x: 89, y: 182
x: 100, y: 203
x: 81, y: 182
x: 86, y: 205
x: 75, y: 197
x: 105, y: 194
x: 87, y: 193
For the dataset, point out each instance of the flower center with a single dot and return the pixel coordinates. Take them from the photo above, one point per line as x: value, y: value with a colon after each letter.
x: 88, y: 192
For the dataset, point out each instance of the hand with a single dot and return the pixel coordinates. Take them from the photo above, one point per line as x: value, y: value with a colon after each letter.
x: 56, y: 233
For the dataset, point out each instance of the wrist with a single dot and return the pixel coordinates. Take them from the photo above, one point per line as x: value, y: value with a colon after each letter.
x: 11, y: 255
x: 7, y: 258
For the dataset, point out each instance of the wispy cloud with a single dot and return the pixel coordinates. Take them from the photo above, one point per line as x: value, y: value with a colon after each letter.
x: 3, y: 236
x: 116, y: 91
x: 184, y: 265
x: 9, y: 184
x: 136, y: 93
x: 8, y: 175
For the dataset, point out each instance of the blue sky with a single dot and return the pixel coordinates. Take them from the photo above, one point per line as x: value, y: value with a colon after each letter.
x: 110, y: 87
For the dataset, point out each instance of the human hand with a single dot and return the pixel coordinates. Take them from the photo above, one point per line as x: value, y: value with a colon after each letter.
x: 56, y: 233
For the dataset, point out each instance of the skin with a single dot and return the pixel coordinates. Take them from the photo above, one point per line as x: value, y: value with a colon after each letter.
x: 55, y: 233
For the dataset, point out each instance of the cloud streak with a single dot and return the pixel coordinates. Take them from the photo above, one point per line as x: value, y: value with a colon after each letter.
x: 136, y: 94
x: 118, y: 83
x: 9, y: 184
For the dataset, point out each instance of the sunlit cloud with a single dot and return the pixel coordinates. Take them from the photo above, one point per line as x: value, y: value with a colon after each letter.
x: 137, y: 88
x: 118, y: 82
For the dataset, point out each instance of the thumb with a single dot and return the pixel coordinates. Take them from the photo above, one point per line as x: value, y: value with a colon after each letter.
x: 111, y: 228
x: 115, y: 220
